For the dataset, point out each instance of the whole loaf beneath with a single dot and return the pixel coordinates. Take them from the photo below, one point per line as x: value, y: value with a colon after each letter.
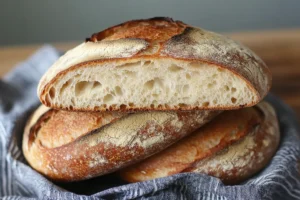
x: 233, y: 147
x: 72, y: 146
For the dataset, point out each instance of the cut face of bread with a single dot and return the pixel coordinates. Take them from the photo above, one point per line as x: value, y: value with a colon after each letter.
x: 129, y: 67
x: 155, y: 83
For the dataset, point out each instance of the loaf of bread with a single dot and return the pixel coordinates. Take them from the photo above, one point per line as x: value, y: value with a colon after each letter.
x: 155, y: 64
x: 72, y: 146
x: 169, y: 79
x: 233, y: 147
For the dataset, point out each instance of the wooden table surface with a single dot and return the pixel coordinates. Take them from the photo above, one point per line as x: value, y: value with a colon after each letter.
x: 280, y: 49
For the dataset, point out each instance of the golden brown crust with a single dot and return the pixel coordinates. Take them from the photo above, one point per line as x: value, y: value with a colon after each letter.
x: 160, y: 38
x: 248, y: 156
x: 232, y: 147
x: 55, y: 145
x: 67, y: 129
x: 154, y: 29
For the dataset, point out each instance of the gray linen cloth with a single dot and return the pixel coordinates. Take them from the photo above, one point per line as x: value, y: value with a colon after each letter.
x: 279, y: 180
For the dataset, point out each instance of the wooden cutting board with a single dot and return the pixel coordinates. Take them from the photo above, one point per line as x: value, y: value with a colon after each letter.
x: 279, y: 49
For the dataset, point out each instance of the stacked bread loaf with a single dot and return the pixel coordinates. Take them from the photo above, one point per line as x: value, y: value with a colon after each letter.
x: 151, y: 98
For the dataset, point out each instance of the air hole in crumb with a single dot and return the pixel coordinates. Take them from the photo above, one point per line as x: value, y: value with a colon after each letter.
x: 152, y: 105
x: 226, y: 88
x: 104, y: 105
x: 233, y: 89
x: 108, y: 98
x: 233, y: 100
x: 52, y: 92
x: 96, y: 84
x: 149, y: 85
x: 220, y: 69
x: 130, y: 65
x: 96, y: 108
x: 123, y: 106
x: 146, y: 63
x: 205, y: 104
x: 210, y: 85
x: 77, y: 76
x: 160, y: 106
x: 188, y: 76
x: 182, y: 105
x: 131, y: 104
x: 65, y: 85
x: 215, y: 101
x: 156, y: 81
x: 118, y: 91
x: 72, y: 101
x: 174, y: 68
x: 82, y: 87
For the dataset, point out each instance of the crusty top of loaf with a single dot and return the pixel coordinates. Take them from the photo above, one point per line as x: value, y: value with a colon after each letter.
x: 158, y: 38
x: 158, y: 29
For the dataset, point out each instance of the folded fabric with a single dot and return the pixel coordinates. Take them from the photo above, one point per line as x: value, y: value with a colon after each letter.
x: 279, y: 180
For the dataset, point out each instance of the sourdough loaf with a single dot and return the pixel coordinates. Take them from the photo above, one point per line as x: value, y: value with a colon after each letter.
x: 232, y: 147
x: 72, y: 146
x: 155, y: 64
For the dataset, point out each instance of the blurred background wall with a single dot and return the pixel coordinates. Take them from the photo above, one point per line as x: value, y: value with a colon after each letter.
x: 37, y: 21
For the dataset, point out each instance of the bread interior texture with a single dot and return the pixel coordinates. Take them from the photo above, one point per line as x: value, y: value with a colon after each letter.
x: 161, y: 84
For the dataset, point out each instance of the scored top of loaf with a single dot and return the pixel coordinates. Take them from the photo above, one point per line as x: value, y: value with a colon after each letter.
x: 161, y: 42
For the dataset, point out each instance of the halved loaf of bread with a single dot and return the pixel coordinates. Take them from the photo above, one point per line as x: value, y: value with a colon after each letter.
x: 232, y: 147
x: 70, y: 146
x: 156, y: 64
